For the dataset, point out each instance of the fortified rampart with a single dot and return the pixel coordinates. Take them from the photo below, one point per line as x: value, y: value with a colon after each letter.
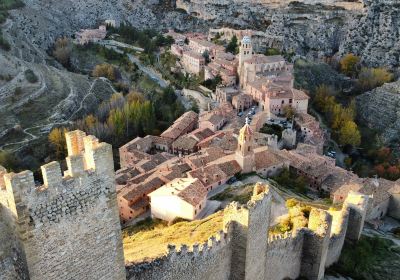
x: 67, y: 228
x: 246, y: 251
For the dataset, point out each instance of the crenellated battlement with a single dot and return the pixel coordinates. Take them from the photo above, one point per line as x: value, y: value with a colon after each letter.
x: 68, y: 227
x: 244, y: 250
x: 214, y: 243
x: 89, y: 163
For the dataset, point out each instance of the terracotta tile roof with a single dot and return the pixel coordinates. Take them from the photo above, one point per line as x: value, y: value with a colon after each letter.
x: 180, y: 125
x: 230, y: 168
x: 299, y: 95
x: 190, y: 190
x: 208, y: 175
x: 202, y: 133
x: 204, y: 156
x: 262, y: 59
x: 136, y: 191
x: 213, y: 118
x: 160, y: 140
x: 194, y: 55
x: 185, y: 142
x: 266, y: 158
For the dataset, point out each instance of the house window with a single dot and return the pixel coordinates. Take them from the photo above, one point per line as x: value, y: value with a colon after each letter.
x: 200, y: 206
x: 195, y: 211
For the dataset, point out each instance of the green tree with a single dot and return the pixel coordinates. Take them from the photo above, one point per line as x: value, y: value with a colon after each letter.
x: 272, y: 51
x: 289, y: 112
x: 349, y: 134
x: 233, y: 46
x: 8, y: 161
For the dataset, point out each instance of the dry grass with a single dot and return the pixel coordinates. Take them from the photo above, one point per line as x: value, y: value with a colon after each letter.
x: 240, y: 194
x: 149, y: 240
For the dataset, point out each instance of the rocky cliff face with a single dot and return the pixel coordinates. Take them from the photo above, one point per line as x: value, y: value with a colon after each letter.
x: 314, y: 28
x: 379, y: 109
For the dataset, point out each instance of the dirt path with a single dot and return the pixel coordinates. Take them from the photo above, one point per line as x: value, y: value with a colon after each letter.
x: 51, y: 124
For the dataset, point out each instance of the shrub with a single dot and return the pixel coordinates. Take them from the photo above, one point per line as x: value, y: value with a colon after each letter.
x: 272, y: 51
x: 62, y: 51
x: 105, y: 70
x: 4, y: 43
x: 370, y: 78
x: 17, y: 91
x: 30, y: 76
x: 349, y: 64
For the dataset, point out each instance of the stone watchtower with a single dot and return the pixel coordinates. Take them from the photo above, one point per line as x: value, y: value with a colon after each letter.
x: 245, y: 53
x: 249, y: 225
x: 67, y: 228
x: 244, y: 152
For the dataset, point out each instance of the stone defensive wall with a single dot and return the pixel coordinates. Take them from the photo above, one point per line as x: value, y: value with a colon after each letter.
x: 68, y: 227
x: 244, y: 250
x: 210, y: 260
x: 284, y: 255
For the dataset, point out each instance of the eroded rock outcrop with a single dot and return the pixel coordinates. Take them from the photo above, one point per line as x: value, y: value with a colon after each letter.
x: 314, y: 28
x: 379, y: 109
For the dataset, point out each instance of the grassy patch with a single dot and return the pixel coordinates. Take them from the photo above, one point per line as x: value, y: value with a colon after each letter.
x: 149, y: 239
x: 240, y: 194
x: 272, y: 129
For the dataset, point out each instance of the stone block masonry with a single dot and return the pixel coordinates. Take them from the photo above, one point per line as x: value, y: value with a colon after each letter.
x: 247, y: 252
x: 68, y: 228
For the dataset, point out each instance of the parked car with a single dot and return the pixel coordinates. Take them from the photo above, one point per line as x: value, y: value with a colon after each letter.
x: 232, y: 180
x: 240, y: 114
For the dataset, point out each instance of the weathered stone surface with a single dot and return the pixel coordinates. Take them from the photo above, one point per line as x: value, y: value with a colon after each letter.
x: 379, y: 109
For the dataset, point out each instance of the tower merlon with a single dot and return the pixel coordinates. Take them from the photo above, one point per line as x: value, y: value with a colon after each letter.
x: 51, y: 173
x: 74, y: 141
x: 76, y: 165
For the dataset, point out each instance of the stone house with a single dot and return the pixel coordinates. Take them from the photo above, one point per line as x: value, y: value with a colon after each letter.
x: 193, y: 62
x: 242, y: 102
x: 187, y: 144
x: 274, y: 97
x: 225, y: 94
x: 213, y: 120
x: 181, y: 198
x: 201, y: 46
x: 184, y: 124
x: 216, y: 174
x: 86, y: 36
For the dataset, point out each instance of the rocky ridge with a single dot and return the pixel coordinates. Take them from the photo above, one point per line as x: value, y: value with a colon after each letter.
x: 379, y: 109
x: 313, y: 28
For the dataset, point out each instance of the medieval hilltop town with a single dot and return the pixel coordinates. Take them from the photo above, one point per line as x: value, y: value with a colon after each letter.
x: 69, y: 226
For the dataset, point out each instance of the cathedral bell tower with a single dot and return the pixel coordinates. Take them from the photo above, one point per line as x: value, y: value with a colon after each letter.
x: 245, y: 53
x: 244, y: 152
